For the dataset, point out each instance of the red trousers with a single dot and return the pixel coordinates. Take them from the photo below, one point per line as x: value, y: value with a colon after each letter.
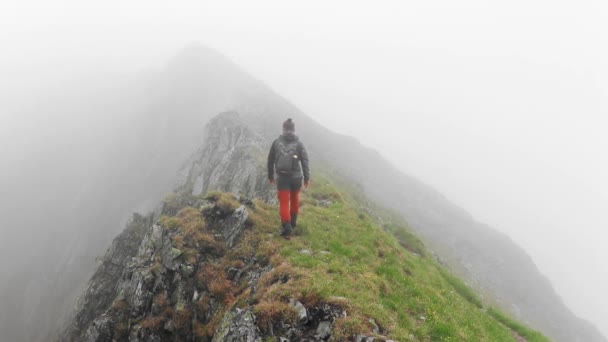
x: 289, y: 203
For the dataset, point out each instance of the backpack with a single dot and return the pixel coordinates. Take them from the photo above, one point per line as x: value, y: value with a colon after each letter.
x: 286, y: 157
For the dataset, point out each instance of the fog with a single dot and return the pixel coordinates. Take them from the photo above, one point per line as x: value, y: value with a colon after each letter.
x: 502, y: 107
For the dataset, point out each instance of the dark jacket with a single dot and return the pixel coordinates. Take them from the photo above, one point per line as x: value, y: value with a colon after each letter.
x: 298, y: 171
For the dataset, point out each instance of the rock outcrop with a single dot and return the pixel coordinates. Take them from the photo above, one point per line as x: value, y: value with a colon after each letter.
x: 231, y: 159
x: 176, y: 279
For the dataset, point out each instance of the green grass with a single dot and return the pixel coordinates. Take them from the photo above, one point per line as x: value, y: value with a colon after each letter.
x: 522, y: 330
x: 376, y: 275
x: 462, y: 289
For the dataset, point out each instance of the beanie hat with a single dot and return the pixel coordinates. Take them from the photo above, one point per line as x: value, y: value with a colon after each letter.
x: 289, y: 126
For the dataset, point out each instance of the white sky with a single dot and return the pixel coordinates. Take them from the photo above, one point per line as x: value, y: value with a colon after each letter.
x: 502, y: 106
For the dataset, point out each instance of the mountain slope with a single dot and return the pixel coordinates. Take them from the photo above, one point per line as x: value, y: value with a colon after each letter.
x: 86, y: 188
x: 207, y: 267
x: 162, y: 124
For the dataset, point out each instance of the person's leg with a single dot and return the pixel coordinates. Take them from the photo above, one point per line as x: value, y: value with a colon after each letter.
x: 294, y: 206
x: 284, y: 197
x: 284, y: 194
x: 294, y: 199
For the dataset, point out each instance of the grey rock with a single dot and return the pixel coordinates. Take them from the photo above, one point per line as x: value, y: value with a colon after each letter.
x: 375, y: 328
x: 135, y: 335
x: 134, y: 286
x: 175, y: 253
x: 234, y: 225
x: 231, y: 273
x: 324, y: 330
x: 238, y: 326
x: 227, y: 160
x: 306, y: 252
x: 238, y: 276
x: 150, y: 243
x: 169, y: 326
x: 363, y: 338
x: 169, y: 254
x: 301, y: 310
x: 325, y: 203
x: 102, y: 287
x: 99, y: 331
x: 294, y: 334
x: 186, y: 270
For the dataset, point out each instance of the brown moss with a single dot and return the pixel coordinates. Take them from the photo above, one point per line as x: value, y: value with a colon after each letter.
x: 119, y: 305
x: 203, y: 306
x: 121, y: 331
x: 280, y: 273
x: 161, y: 300
x: 344, y: 328
x: 182, y: 319
x: 169, y: 222
x: 178, y: 241
x: 238, y: 264
x: 224, y: 201
x: 271, y: 312
x: 267, y: 249
x: 207, y: 330
x: 152, y: 323
x: 191, y: 219
x: 199, y: 329
x: 311, y: 299
x: 213, y: 278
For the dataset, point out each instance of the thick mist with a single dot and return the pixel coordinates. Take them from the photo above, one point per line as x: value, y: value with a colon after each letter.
x: 501, y: 107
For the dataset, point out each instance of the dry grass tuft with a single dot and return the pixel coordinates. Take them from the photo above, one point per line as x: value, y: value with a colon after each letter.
x: 152, y: 323
x: 182, y: 319
x: 224, y: 201
x: 119, y: 305
x: 213, y: 279
x: 270, y: 312
x: 344, y: 328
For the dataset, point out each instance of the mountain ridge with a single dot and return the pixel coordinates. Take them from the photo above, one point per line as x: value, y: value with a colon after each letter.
x: 206, y: 267
x: 165, y: 127
x: 446, y: 228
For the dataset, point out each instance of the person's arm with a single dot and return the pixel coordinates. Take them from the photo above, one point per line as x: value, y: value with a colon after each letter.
x: 271, y: 155
x: 304, y: 161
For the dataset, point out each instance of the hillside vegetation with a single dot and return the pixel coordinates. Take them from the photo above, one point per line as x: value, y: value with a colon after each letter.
x: 390, y: 288
x: 340, y: 254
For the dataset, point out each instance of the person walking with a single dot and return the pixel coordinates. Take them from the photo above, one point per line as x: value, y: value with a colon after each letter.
x: 289, y: 159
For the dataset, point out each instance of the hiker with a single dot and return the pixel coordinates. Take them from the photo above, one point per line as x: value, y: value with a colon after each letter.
x: 285, y: 156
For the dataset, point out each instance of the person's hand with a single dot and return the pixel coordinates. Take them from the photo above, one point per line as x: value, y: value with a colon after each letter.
x: 271, y: 181
x: 306, y: 184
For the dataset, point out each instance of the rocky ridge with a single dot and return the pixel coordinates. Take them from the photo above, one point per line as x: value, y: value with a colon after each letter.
x: 175, y: 274
x: 177, y: 286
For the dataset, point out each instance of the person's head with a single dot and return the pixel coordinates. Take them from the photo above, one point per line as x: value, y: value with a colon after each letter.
x: 289, y: 126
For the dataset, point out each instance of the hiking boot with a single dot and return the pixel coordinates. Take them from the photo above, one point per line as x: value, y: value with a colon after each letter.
x: 286, y: 230
x: 294, y: 220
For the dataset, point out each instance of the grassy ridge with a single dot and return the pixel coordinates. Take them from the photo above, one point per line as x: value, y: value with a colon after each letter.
x: 344, y: 255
